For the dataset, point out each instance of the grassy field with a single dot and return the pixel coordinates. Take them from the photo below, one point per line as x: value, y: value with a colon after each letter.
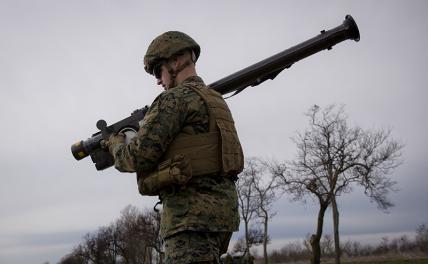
x: 408, y: 261
x: 399, y: 260
x: 385, y: 259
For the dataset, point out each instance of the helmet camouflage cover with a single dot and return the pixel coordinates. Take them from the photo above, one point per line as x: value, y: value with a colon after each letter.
x: 166, y: 46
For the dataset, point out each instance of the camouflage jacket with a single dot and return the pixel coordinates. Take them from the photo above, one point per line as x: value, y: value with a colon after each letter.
x: 207, y: 203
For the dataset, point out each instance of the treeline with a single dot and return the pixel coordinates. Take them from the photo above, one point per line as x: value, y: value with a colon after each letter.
x: 134, y: 239
x: 301, y: 251
x: 131, y: 239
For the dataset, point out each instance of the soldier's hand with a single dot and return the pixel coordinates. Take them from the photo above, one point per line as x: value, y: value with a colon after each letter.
x: 113, y: 140
x: 119, y: 138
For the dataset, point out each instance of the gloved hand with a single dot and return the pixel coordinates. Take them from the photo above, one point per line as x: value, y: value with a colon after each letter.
x: 114, y: 140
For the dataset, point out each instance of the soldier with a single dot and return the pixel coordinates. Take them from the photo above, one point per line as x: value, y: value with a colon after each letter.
x: 188, y: 153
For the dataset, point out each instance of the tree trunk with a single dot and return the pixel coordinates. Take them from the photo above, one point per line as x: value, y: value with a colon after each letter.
x: 265, y: 236
x: 316, y: 238
x: 335, y: 211
x: 247, y: 240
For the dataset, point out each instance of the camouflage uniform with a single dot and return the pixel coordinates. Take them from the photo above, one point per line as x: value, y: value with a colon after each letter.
x: 198, y: 218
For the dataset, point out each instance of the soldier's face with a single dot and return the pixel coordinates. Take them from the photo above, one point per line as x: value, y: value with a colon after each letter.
x: 162, y: 76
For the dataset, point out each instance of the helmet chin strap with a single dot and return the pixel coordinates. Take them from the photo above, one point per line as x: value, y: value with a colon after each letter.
x: 173, y: 73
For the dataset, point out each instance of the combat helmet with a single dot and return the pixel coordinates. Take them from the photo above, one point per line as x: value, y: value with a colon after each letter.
x: 166, y: 46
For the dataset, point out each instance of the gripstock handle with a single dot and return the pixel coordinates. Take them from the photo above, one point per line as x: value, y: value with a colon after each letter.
x: 92, y: 147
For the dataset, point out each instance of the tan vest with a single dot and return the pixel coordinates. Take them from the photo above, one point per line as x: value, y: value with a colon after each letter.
x: 216, y: 152
x: 219, y: 150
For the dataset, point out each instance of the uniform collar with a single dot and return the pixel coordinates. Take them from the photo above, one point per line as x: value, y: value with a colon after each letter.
x: 194, y: 78
x: 188, y: 80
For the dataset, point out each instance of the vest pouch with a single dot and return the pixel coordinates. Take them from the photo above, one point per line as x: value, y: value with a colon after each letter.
x: 175, y: 171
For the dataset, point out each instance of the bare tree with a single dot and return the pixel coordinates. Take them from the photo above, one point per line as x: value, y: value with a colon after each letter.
x: 137, y: 235
x: 256, y: 193
x: 97, y: 248
x: 247, y: 199
x: 331, y: 159
x: 155, y: 240
x: 352, y: 248
x: 255, y: 237
x: 132, y: 239
x: 130, y: 230
x: 75, y: 257
x: 422, y: 238
x: 266, y: 194
x: 326, y: 244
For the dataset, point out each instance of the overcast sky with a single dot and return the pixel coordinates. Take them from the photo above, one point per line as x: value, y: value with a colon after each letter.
x: 66, y: 64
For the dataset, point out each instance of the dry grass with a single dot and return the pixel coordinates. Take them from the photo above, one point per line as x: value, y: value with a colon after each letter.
x: 384, y: 259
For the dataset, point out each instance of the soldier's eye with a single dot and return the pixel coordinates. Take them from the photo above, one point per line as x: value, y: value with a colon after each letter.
x: 157, y: 70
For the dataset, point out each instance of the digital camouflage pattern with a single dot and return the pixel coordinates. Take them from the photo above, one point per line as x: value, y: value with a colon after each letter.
x: 206, y: 203
x: 176, y: 110
x: 196, y: 247
x: 167, y: 45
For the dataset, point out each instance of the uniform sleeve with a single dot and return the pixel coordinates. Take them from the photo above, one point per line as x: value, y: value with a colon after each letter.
x: 163, y: 121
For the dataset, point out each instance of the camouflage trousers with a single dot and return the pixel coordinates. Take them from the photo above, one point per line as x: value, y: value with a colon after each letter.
x: 188, y: 247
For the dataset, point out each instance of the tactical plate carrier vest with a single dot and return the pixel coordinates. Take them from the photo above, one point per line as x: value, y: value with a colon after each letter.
x: 216, y: 152
x: 219, y: 150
